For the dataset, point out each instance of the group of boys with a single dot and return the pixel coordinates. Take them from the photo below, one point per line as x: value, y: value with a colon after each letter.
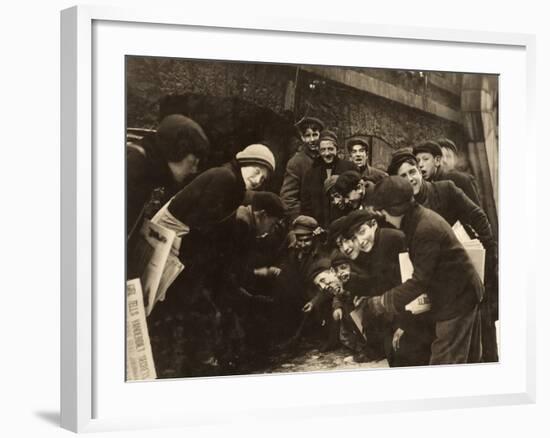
x: 324, y: 256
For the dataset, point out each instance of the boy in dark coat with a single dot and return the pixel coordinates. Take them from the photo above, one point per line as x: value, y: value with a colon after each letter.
x: 162, y: 162
x: 358, y: 153
x: 314, y: 201
x: 429, y: 156
x: 453, y: 205
x: 441, y: 268
x: 297, y: 167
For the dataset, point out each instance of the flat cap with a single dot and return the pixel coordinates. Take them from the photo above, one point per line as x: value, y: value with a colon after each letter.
x: 304, y: 225
x: 347, y: 181
x: 391, y: 192
x: 338, y: 258
x: 269, y: 202
x: 449, y: 144
x: 398, y: 158
x: 329, y: 135
x: 430, y: 147
x: 354, y: 220
x: 318, y: 265
x: 307, y: 121
x: 336, y: 229
x: 356, y: 140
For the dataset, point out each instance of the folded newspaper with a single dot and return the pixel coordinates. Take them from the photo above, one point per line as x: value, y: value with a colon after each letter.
x: 473, y: 248
x: 139, y: 356
x: 155, y: 258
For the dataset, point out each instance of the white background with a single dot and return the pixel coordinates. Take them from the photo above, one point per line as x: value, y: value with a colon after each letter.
x: 29, y: 77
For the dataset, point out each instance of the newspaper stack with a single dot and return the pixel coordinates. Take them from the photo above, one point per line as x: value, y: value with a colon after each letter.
x: 473, y: 248
x: 139, y: 357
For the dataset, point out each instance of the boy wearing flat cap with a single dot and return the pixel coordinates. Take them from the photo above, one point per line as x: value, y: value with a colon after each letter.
x: 306, y: 245
x: 310, y: 129
x: 314, y: 201
x: 429, y: 156
x: 453, y: 205
x: 450, y: 154
x: 358, y: 153
x: 441, y: 268
x: 353, y: 189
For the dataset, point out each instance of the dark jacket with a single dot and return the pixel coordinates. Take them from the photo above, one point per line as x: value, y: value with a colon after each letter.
x: 211, y: 198
x: 314, y: 201
x: 146, y: 171
x: 373, y: 174
x: 462, y: 180
x: 451, y: 203
x: 441, y: 268
x: 379, y: 268
x: 296, y: 169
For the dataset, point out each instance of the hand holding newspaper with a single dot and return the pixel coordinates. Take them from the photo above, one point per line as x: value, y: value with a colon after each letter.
x: 475, y: 250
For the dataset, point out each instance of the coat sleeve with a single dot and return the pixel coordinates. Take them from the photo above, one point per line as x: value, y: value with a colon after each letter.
x: 472, y: 215
x: 290, y: 190
x: 306, y: 198
x: 424, y: 252
x: 467, y: 184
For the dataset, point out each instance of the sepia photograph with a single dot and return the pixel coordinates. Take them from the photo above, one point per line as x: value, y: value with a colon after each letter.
x: 285, y: 218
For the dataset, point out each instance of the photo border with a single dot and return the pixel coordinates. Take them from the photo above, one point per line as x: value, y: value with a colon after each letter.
x: 78, y: 214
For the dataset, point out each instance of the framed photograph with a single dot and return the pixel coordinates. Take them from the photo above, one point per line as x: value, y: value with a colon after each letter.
x: 257, y: 209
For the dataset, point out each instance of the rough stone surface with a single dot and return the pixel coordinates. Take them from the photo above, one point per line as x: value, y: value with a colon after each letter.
x: 344, y: 109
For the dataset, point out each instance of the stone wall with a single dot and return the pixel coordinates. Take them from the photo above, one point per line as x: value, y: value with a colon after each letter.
x: 347, y: 110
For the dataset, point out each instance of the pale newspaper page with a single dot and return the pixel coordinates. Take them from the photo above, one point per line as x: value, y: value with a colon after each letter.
x: 139, y: 356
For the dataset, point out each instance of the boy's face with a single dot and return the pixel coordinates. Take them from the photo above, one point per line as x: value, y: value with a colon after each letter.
x: 181, y: 170
x: 327, y: 150
x: 310, y: 137
x: 428, y: 164
x: 265, y: 223
x: 358, y: 155
x: 357, y: 193
x: 365, y: 234
x: 337, y: 199
x: 349, y: 247
x: 412, y: 174
x: 448, y: 160
x: 304, y: 241
x: 254, y: 176
x: 343, y: 271
x: 328, y: 281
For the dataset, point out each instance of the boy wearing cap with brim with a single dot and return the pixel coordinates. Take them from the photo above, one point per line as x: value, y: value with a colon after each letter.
x: 313, y: 200
x: 449, y: 156
x: 306, y: 241
x: 329, y: 275
x: 453, y: 205
x: 310, y: 129
x: 358, y: 154
x: 441, y: 268
x: 429, y: 157
x: 202, y: 212
x: 377, y: 262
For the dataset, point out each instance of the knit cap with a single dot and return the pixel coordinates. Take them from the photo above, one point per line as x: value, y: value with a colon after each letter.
x: 256, y: 154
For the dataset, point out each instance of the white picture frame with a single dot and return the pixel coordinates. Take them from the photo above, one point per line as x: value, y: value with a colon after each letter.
x: 93, y: 388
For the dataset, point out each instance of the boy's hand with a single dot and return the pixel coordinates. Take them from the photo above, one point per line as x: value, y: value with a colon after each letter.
x: 308, y: 307
x: 357, y: 301
x: 396, y: 337
x: 337, y: 315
